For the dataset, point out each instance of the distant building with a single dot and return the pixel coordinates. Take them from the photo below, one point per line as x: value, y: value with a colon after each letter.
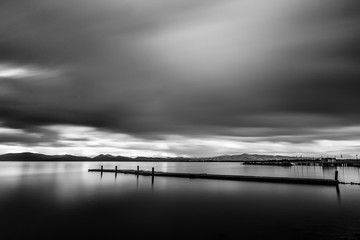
x: 328, y: 160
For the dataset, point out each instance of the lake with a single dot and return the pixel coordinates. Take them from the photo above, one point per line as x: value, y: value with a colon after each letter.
x: 62, y: 200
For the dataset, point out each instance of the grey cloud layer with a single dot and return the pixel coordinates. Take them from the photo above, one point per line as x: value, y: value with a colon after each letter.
x: 159, y: 69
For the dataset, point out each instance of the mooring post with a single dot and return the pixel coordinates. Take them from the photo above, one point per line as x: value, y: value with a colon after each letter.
x: 152, y: 177
x: 137, y: 171
x: 115, y: 168
x: 336, y: 175
x: 102, y: 168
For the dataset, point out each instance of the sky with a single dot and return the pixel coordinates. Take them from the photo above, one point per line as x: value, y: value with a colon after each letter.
x: 184, y: 78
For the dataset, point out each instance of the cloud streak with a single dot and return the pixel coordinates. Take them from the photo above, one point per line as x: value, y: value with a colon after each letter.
x: 285, y: 71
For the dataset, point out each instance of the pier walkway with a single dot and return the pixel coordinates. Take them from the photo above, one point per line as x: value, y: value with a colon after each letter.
x: 313, y: 181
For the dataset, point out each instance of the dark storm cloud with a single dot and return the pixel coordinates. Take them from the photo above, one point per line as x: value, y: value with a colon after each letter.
x: 182, y: 68
x: 31, y: 137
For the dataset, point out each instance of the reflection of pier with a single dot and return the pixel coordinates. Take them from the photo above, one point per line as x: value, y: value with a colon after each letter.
x: 328, y: 162
x: 313, y: 181
x: 338, y: 193
x: 269, y: 163
x: 328, y: 168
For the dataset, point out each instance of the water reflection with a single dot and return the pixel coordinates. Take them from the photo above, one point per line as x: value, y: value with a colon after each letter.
x: 329, y: 171
x: 338, y: 194
x: 152, y: 182
x: 346, y: 174
x: 65, y: 196
x: 137, y: 181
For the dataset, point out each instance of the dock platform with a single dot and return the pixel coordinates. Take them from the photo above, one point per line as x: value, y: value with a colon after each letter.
x: 312, y: 181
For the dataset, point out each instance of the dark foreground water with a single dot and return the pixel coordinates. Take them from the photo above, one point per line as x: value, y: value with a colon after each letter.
x: 64, y: 201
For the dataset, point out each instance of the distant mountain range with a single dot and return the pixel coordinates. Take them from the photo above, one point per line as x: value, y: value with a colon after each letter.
x: 250, y: 157
x: 28, y: 156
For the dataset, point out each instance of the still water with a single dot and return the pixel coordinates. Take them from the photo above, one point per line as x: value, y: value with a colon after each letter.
x: 58, y: 200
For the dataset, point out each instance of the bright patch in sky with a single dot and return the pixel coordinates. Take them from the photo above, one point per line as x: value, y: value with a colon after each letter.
x: 26, y: 72
x: 13, y: 72
x: 88, y: 141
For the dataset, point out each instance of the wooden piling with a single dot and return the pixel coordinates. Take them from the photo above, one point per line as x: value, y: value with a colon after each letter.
x: 102, y: 168
x: 152, y: 177
x: 115, y: 168
x: 137, y: 171
x: 336, y: 175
